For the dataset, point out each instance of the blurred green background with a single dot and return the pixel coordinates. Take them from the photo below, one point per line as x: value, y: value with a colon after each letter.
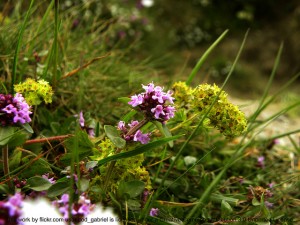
x: 165, y: 38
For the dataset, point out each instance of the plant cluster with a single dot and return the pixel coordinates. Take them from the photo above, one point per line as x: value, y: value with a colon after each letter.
x: 181, y: 156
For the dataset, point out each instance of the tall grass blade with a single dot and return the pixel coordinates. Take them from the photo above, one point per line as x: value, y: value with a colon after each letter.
x: 55, y: 43
x: 267, y: 89
x: 195, y: 211
x: 204, y: 57
x: 17, y: 50
x: 42, y: 23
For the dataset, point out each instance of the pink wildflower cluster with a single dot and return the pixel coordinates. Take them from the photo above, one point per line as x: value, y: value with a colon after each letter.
x: 137, y: 136
x: 154, y: 103
x: 10, y: 211
x: 80, y: 209
x: 13, y: 110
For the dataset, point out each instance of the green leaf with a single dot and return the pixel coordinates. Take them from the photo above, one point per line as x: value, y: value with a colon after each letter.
x: 124, y: 100
x: 219, y: 198
x: 4, y: 189
x: 85, y: 146
x: 39, y: 167
x: 27, y: 127
x: 138, y: 150
x: 17, y: 139
x: 113, y: 134
x: 84, y: 184
x: 129, y: 115
x: 15, y: 159
x: 263, y: 223
x: 59, y: 188
x: 55, y: 127
x: 226, y: 208
x: 6, y: 133
x: 38, y: 183
x: 165, y: 131
x: 131, y: 188
x: 134, y: 204
x: 255, y: 202
x: 91, y: 164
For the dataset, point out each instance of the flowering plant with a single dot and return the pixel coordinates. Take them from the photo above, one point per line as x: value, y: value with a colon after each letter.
x: 14, y: 110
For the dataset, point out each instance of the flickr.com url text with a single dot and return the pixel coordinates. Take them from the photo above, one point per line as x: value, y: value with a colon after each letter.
x: 45, y: 220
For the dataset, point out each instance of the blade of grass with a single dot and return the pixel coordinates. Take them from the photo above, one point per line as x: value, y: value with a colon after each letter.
x: 267, y: 89
x: 17, y: 50
x: 138, y: 150
x: 42, y: 23
x: 55, y: 43
x: 204, y: 57
x: 217, y: 179
x: 273, y: 97
x: 275, y: 115
x: 205, y: 115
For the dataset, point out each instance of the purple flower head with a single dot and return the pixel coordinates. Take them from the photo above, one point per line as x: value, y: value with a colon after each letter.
x: 64, y: 199
x: 122, y: 126
x: 268, y: 193
x: 19, y: 183
x: 81, y: 119
x: 149, y: 88
x: 10, y: 211
x: 122, y: 34
x: 91, y: 132
x: 80, y: 209
x: 154, y: 103
x: 133, y: 123
x: 269, y: 204
x: 276, y: 141
x: 158, y: 110
x: 51, y: 180
x: 136, y: 100
x: 271, y: 185
x: 137, y: 136
x: 261, y: 162
x: 143, y: 138
x: 15, y: 109
x: 154, y: 212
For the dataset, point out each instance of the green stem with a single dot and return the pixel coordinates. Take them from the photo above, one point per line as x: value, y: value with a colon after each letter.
x: 6, y: 165
x: 138, y: 126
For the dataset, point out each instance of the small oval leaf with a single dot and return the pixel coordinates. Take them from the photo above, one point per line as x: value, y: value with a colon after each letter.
x: 27, y: 127
x: 113, y: 134
x: 6, y: 133
x: 59, y: 189
x: 38, y: 183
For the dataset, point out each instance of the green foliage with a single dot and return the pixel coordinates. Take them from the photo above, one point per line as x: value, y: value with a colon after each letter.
x: 187, y: 170
x: 38, y: 183
x: 114, y: 136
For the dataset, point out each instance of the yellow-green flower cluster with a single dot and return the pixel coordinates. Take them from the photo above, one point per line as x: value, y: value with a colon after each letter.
x: 126, y: 169
x: 225, y: 116
x: 182, y: 94
x: 35, y: 91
